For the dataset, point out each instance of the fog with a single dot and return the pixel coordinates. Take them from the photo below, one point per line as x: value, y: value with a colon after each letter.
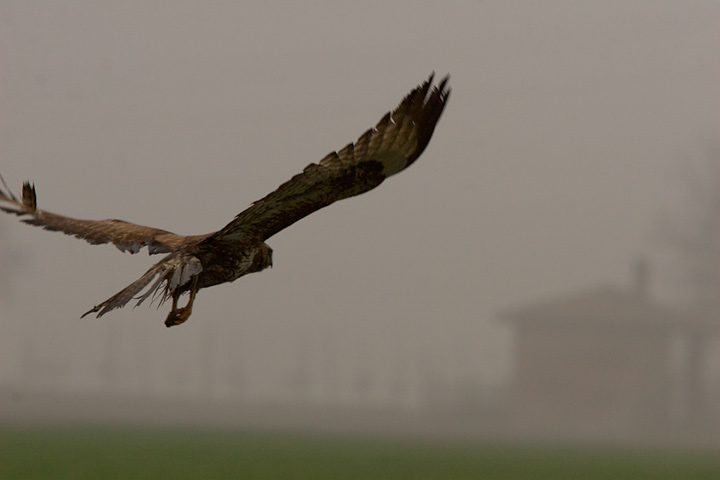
x: 558, y: 153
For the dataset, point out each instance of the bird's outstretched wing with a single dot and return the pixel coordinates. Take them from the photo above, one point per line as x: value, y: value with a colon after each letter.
x: 396, y: 142
x: 124, y: 235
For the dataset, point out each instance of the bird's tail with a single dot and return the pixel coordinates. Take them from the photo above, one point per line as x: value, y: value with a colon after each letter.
x: 176, y: 270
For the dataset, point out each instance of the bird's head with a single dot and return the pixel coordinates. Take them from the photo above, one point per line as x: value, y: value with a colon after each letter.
x: 262, y: 258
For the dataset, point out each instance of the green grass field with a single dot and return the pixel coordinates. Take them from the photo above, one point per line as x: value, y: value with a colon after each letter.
x: 137, y: 453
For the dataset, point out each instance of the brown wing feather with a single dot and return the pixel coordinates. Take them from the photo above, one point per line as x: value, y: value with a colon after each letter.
x: 124, y: 235
x: 396, y: 142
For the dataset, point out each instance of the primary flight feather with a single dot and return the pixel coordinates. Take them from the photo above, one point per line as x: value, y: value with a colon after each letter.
x: 197, y: 261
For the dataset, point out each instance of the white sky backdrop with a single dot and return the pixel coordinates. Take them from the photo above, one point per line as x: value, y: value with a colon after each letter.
x: 556, y: 154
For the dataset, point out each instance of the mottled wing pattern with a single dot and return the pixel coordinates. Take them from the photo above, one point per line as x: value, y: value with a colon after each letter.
x: 124, y: 235
x: 396, y: 142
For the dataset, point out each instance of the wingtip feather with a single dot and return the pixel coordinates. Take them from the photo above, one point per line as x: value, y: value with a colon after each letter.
x: 29, y: 196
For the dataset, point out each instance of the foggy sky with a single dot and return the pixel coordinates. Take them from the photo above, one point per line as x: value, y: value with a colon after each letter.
x: 557, y: 152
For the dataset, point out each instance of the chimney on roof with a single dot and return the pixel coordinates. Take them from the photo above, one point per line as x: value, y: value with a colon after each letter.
x: 641, y: 272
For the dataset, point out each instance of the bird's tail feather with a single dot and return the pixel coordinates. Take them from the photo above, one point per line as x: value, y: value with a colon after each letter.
x: 175, y: 270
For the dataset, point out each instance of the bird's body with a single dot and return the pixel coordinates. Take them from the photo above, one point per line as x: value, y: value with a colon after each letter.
x: 200, y: 261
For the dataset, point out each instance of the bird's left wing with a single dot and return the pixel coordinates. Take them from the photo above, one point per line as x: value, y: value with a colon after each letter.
x: 396, y: 142
x: 124, y: 235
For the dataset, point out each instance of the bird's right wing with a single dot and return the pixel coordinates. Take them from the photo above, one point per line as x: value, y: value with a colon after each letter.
x: 395, y: 143
x: 124, y: 235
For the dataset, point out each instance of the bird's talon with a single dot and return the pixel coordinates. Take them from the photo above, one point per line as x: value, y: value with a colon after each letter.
x: 177, y: 316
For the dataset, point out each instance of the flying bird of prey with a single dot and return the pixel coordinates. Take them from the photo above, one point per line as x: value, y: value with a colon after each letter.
x: 198, y: 261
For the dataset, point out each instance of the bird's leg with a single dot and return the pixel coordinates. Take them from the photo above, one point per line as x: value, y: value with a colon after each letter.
x: 180, y: 315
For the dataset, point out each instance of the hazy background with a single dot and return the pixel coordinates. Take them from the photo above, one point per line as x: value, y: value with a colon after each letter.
x: 559, y: 151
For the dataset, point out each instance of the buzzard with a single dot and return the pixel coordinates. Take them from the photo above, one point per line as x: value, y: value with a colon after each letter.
x: 198, y: 261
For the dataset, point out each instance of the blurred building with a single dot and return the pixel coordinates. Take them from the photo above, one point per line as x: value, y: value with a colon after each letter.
x: 612, y: 363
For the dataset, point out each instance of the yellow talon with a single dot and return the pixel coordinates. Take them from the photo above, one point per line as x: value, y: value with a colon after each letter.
x: 177, y: 316
x: 180, y: 315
